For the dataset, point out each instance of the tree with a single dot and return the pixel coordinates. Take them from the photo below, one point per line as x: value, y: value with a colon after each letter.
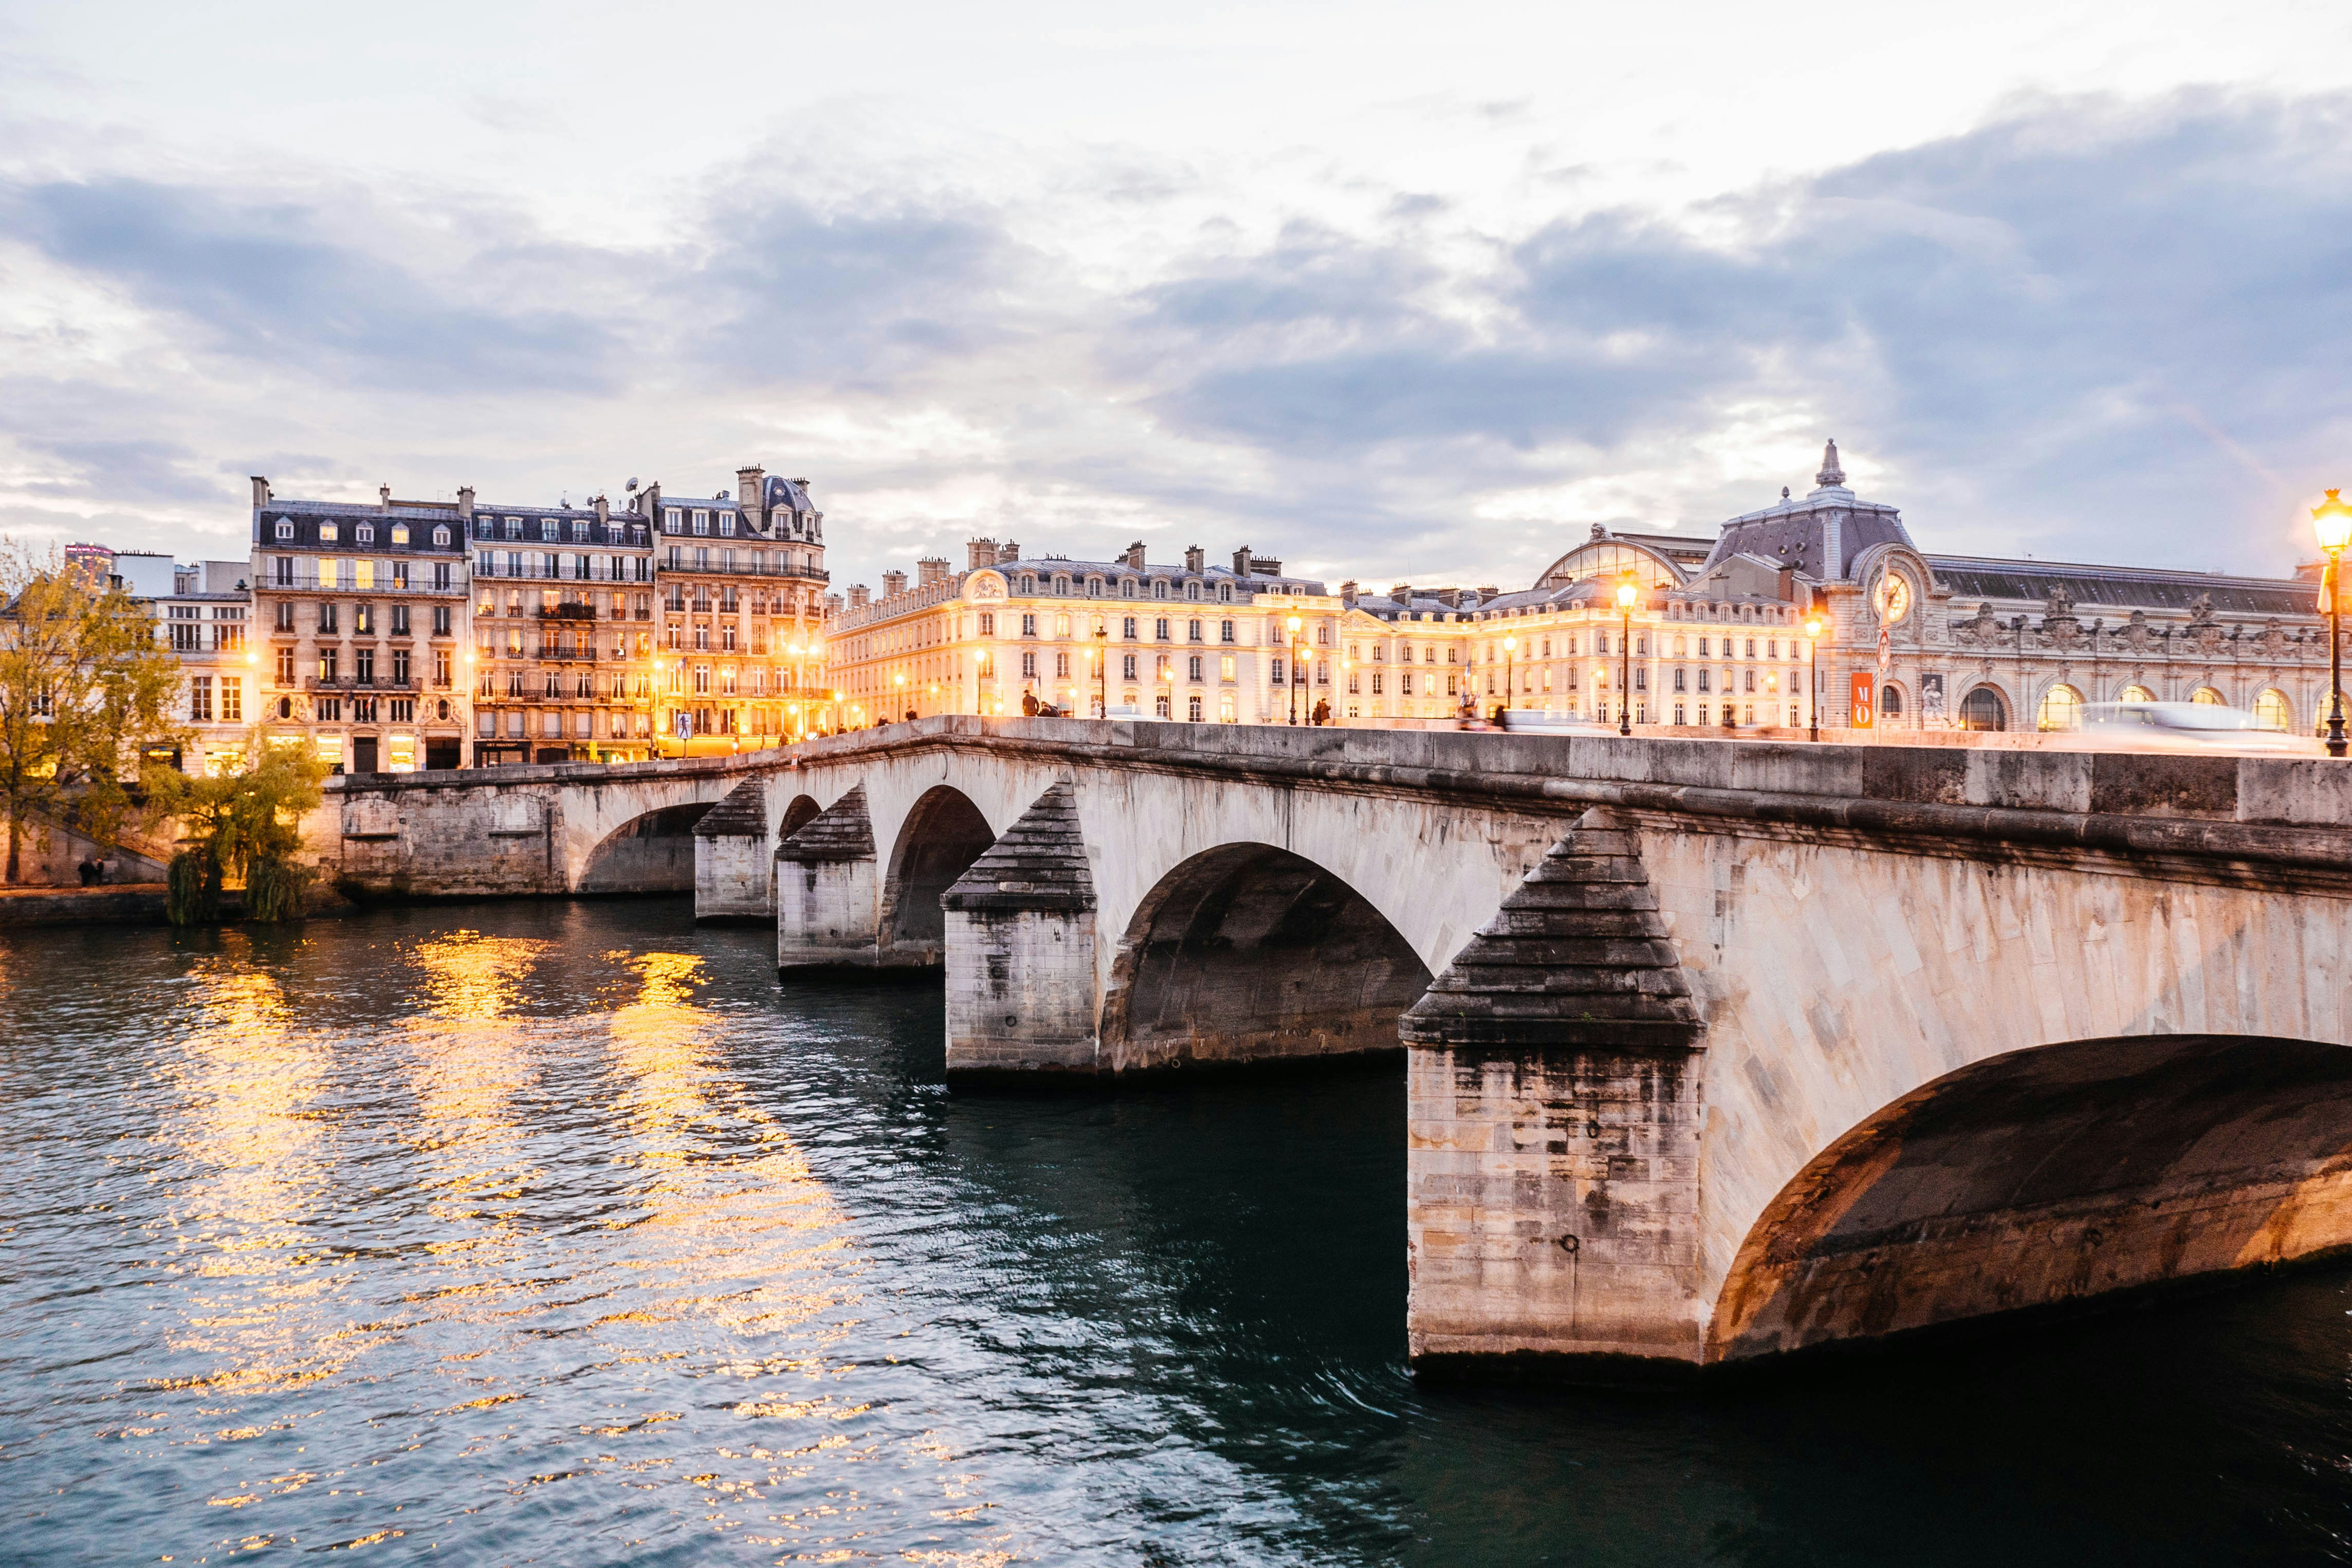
x: 84, y: 688
x: 243, y: 826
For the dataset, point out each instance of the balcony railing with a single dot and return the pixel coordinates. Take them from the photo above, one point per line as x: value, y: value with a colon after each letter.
x: 311, y: 582
x: 354, y: 684
x: 520, y: 571
x: 745, y: 568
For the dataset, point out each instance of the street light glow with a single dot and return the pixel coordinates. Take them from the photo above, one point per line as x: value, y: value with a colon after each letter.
x: 2332, y: 520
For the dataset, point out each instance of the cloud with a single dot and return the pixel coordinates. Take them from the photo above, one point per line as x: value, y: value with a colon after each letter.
x: 282, y: 282
x: 2087, y: 326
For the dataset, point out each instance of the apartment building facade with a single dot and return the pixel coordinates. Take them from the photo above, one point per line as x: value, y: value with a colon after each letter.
x: 1248, y: 644
x: 561, y: 647
x: 359, y: 616
x: 742, y: 610
x: 205, y: 620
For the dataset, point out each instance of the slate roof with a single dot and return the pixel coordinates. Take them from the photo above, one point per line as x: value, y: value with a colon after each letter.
x: 2119, y: 587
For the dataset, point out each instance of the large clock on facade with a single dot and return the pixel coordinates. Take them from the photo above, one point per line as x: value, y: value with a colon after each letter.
x: 1893, y: 598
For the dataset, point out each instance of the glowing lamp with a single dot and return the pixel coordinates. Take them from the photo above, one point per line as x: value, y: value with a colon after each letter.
x: 2332, y: 521
x: 1813, y: 625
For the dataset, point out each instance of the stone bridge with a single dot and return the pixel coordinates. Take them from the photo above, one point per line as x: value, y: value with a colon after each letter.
x: 1714, y: 1049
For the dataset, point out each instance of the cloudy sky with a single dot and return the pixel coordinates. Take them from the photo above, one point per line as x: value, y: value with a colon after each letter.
x: 1416, y: 292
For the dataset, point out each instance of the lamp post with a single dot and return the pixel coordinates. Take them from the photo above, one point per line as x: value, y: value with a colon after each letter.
x: 1626, y: 592
x: 1510, y: 651
x: 2333, y: 520
x: 1102, y: 669
x: 900, y: 681
x: 1295, y: 624
x: 1813, y: 659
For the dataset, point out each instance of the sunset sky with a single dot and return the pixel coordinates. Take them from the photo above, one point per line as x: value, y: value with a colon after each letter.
x: 1416, y: 292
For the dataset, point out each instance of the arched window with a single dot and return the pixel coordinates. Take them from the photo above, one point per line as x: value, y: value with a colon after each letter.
x: 1983, y: 709
x: 2208, y: 698
x: 2062, y: 708
x: 1890, y: 702
x: 2134, y: 693
x: 2271, y: 711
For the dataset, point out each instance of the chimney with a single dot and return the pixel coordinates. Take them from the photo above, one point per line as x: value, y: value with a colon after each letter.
x: 749, y: 483
x: 1134, y: 555
x: 1401, y: 592
x: 260, y: 491
x: 858, y: 595
x: 931, y: 571
x: 1489, y: 591
x: 1007, y: 551
x: 1195, y: 558
x: 894, y: 583
x: 604, y: 511
x: 384, y: 498
x: 465, y: 502
x: 1348, y: 593
x: 978, y: 553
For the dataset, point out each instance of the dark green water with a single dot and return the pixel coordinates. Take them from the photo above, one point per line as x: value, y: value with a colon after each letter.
x: 562, y: 1234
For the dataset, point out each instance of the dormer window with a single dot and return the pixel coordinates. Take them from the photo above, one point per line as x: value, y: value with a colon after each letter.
x: 400, y: 533
x: 580, y: 530
x: 1060, y: 588
x: 285, y: 527
x: 326, y: 532
x: 702, y: 522
x: 441, y: 535
x: 514, y: 527
x: 1093, y: 588
x: 1126, y: 588
x: 1224, y: 593
x: 365, y: 534
x: 670, y: 521
x: 1159, y: 588
x: 1193, y: 590
x: 726, y: 525
x: 1028, y: 583
x: 547, y: 531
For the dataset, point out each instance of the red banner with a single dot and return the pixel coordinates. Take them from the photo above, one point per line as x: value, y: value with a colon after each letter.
x: 1865, y: 711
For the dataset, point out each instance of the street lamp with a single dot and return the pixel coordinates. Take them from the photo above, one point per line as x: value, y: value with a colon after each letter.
x: 1102, y: 669
x: 1813, y: 659
x: 900, y: 680
x: 2333, y: 520
x: 1295, y: 624
x: 1510, y: 648
x: 1626, y: 592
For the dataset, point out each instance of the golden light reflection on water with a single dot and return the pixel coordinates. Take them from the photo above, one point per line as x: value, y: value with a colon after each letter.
x: 246, y: 1118
x: 720, y: 1251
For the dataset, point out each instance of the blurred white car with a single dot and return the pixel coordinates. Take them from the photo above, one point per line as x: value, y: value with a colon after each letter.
x: 2185, y: 727
x: 1536, y: 721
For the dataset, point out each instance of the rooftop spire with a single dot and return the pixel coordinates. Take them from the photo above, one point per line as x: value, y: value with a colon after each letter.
x: 1830, y: 472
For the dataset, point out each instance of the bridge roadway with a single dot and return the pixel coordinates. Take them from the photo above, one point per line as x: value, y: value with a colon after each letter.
x: 1715, y: 1050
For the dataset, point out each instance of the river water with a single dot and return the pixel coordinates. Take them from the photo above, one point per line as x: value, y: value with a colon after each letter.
x: 561, y: 1233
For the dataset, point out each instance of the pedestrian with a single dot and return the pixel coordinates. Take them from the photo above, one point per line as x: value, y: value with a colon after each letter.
x: 1029, y: 704
x: 84, y: 869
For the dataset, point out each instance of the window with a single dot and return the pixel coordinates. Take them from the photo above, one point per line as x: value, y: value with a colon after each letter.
x: 2062, y: 708
x: 1028, y: 664
x: 1127, y: 667
x: 987, y: 623
x: 1127, y: 627
x: 328, y: 710
x: 441, y: 620
x: 1890, y: 702
x: 1192, y: 631
x: 441, y: 536
x: 285, y: 666
x: 2271, y: 711
x: 1981, y: 709
x: 285, y: 527
x: 1160, y: 630
x: 327, y: 531
x: 200, y: 699
x: 1160, y: 590
x: 400, y: 620
x: 1028, y: 625
x: 1225, y: 596
x: 232, y: 699
x: 327, y: 618
x: 702, y: 522
x: 1705, y: 680
x: 363, y: 619
x: 1273, y: 672
x: 1193, y: 671
x: 1679, y: 683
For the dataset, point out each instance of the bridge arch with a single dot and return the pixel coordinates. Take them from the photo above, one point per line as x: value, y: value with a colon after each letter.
x: 651, y: 853
x: 942, y: 833
x: 2043, y: 1176
x: 1249, y: 952
x: 802, y: 810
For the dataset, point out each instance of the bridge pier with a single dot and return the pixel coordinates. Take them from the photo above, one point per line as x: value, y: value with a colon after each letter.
x: 827, y: 893
x: 734, y: 874
x: 1021, y: 991
x: 1554, y: 1114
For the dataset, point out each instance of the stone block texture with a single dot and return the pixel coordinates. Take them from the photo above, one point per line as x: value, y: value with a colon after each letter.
x: 1021, y: 991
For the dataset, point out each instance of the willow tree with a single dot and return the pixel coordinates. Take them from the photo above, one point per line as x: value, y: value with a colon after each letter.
x: 84, y: 689
x: 245, y: 825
